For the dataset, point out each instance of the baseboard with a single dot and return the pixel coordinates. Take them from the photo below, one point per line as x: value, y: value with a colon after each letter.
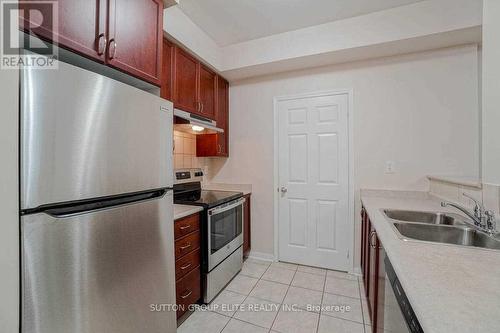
x: 261, y: 256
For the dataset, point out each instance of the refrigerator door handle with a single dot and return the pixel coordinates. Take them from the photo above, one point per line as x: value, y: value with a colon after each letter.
x: 73, y: 208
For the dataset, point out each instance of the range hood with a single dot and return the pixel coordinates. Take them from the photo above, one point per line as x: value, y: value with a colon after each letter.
x: 192, y: 123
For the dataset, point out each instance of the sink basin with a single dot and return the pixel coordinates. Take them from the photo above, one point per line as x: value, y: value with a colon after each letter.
x: 423, y: 217
x: 465, y: 236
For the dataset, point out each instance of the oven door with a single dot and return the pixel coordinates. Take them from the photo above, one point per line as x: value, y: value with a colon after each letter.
x: 225, y: 231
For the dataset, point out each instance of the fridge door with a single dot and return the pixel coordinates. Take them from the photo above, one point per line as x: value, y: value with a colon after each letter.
x: 101, y: 271
x: 84, y: 135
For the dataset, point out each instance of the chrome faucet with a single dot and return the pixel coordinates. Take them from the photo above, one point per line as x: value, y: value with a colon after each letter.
x: 478, y: 208
x: 482, y: 218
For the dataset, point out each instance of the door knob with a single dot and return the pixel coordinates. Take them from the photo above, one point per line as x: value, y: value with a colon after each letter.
x: 284, y: 189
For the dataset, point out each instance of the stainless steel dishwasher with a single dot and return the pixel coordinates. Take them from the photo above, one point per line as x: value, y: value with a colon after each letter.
x: 398, y: 313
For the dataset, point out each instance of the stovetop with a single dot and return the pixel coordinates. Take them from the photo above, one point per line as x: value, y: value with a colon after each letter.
x: 205, y: 198
x: 187, y: 190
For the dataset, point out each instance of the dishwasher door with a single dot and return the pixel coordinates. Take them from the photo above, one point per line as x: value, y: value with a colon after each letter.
x: 398, y: 313
x: 394, y: 321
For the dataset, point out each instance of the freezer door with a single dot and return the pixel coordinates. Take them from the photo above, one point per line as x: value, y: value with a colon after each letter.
x: 101, y: 271
x: 84, y: 135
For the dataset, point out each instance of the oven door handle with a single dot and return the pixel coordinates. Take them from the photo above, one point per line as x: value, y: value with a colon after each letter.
x: 218, y: 210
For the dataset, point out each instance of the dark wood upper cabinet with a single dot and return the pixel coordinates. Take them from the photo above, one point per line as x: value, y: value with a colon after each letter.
x: 222, y: 118
x: 135, y: 37
x: 207, y: 91
x: 185, y: 71
x: 124, y: 34
x: 81, y: 25
x: 195, y: 88
x: 194, y: 85
x: 167, y: 74
x: 210, y: 145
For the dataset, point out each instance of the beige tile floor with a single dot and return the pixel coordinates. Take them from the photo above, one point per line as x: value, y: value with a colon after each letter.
x: 274, y: 286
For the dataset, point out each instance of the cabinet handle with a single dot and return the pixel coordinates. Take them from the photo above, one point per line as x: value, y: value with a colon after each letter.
x: 187, y: 246
x: 370, y: 239
x: 186, y: 295
x: 101, y: 47
x: 186, y: 266
x: 184, y: 227
x: 202, y: 108
x: 112, y: 55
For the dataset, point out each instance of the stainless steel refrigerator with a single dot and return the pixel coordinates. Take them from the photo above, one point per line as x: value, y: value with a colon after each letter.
x: 96, y: 205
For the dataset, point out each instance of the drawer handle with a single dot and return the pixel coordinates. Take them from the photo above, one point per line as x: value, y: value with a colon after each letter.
x: 187, y: 295
x: 184, y: 227
x: 187, y: 246
x: 186, y: 266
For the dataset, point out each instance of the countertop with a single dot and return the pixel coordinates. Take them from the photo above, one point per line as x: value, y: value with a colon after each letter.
x: 181, y: 211
x: 245, y: 188
x: 451, y: 288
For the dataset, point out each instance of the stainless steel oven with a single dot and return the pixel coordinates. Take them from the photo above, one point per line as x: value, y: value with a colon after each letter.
x: 221, y: 229
x: 225, y: 231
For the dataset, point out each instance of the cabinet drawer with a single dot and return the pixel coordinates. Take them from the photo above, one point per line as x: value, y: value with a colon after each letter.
x: 186, y: 225
x: 187, y: 263
x: 188, y: 290
x: 187, y: 244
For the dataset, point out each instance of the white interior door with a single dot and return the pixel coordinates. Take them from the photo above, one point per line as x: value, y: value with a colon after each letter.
x: 313, y: 143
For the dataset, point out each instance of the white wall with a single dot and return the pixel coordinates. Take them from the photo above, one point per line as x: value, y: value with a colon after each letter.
x: 418, y: 110
x: 9, y: 223
x: 491, y: 92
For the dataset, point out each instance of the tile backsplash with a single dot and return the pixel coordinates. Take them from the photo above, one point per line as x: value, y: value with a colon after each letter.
x: 488, y: 194
x: 185, y: 151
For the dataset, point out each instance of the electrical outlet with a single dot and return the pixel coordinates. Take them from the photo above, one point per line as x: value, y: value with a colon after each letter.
x: 389, y: 167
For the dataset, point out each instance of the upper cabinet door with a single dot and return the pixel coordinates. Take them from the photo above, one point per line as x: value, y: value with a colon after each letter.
x: 185, y: 82
x: 81, y: 25
x: 222, y: 117
x: 135, y: 37
x: 207, y: 92
x: 167, y: 70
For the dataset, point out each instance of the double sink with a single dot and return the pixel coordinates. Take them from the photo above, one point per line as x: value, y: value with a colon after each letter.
x: 441, y: 228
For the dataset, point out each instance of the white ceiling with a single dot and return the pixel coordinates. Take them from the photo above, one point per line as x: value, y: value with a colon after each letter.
x: 232, y: 21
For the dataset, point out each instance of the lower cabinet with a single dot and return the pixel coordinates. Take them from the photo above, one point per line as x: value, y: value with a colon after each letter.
x: 246, y: 225
x: 187, y: 262
x: 372, y: 267
x: 188, y: 290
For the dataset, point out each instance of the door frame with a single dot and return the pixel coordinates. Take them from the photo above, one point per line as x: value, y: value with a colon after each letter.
x: 350, y: 116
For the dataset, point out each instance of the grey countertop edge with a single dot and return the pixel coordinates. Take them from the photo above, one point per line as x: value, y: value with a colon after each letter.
x: 181, y: 211
x: 451, y: 288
